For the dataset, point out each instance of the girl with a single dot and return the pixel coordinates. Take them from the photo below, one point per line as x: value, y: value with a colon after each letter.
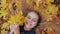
x: 33, y: 18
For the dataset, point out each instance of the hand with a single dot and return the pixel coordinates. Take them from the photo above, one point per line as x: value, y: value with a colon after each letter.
x: 15, y: 28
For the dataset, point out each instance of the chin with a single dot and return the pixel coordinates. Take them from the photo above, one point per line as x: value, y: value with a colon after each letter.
x: 28, y: 26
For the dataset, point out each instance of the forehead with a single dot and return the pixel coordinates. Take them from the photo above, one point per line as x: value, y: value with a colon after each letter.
x: 33, y: 14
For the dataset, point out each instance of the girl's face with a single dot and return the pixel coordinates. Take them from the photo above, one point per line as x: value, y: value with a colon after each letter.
x: 32, y: 19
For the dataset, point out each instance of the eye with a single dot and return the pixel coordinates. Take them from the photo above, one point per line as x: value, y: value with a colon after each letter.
x: 28, y: 17
x: 34, y: 20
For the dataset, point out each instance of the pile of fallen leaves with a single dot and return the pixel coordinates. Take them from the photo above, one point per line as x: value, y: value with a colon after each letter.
x: 10, y: 12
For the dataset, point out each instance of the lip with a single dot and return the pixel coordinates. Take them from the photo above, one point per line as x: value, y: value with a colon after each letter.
x: 28, y: 23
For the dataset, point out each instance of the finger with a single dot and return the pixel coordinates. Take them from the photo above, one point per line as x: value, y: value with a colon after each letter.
x: 10, y: 26
x: 15, y: 24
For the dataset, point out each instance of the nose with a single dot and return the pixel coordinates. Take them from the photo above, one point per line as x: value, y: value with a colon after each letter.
x: 30, y: 21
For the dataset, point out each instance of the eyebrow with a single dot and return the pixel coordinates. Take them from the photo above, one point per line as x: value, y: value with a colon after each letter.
x: 29, y: 16
x: 34, y: 19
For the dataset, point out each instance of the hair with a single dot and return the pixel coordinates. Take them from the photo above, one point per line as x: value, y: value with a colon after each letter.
x: 39, y: 16
x: 56, y: 2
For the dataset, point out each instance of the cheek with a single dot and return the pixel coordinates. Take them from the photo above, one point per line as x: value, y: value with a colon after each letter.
x: 34, y: 23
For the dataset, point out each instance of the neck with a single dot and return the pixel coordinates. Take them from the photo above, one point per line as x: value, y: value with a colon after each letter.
x: 27, y: 29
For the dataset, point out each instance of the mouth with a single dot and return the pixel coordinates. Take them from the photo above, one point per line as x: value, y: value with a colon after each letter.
x: 28, y: 24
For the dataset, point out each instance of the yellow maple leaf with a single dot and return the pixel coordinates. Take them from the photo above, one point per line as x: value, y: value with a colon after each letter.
x: 19, y: 18
x: 49, y: 1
